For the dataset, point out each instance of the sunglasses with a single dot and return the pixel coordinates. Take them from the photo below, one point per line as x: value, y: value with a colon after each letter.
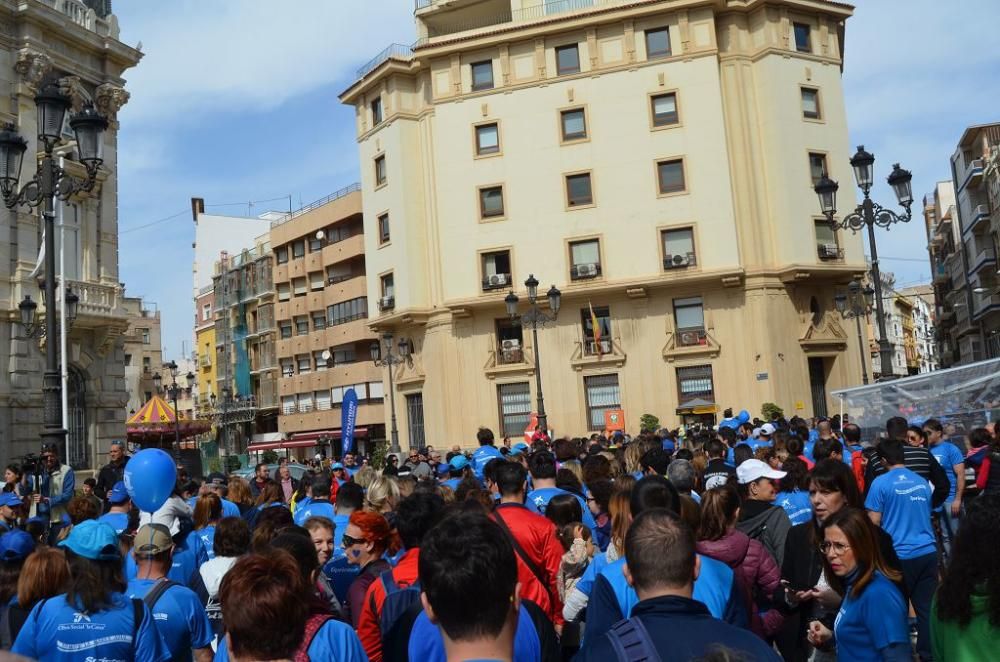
x: 349, y: 541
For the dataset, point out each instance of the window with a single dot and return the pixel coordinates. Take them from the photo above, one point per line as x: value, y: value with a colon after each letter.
x: 343, y: 355
x: 322, y: 400
x: 281, y: 254
x: 301, y: 326
x: 602, y: 394
x: 482, y: 75
x: 689, y: 319
x: 286, y: 329
x: 206, y: 312
x: 578, y: 190
x: 810, y: 103
x: 284, y: 292
x: 591, y: 343
x: 304, y: 364
x: 568, y: 59
x: 347, y: 311
x: 380, y: 174
x: 377, y: 111
x: 375, y: 391
x: 657, y: 43
x: 695, y: 382
x: 298, y: 248
x: 338, y: 273
x: 510, y: 341
x: 496, y: 270
x: 316, y: 280
x: 826, y: 241
x: 315, y: 244
x: 288, y: 404
x: 147, y: 363
x: 585, y: 259
x: 128, y: 359
x: 287, y: 368
x: 670, y: 176
x: 319, y: 321
x: 305, y: 402
x: 574, y: 124
x: 383, y: 229
x: 487, y: 139
x: 321, y: 363
x: 514, y: 401
x: 491, y: 202
x: 145, y: 336
x: 817, y: 166
x: 415, y: 419
x: 678, y: 248
x: 664, y: 107
x: 299, y: 287
x: 387, y: 286
x: 803, y: 43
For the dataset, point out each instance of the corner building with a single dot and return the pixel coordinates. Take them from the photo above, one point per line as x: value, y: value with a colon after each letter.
x: 655, y: 161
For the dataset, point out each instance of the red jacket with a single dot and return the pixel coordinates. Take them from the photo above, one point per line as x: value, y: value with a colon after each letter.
x: 755, y: 569
x: 405, y: 573
x: 537, y: 536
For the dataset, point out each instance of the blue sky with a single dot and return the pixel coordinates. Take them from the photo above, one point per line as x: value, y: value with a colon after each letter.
x: 236, y: 101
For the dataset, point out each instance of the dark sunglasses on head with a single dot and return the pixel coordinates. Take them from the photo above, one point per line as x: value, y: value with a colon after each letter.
x: 349, y: 541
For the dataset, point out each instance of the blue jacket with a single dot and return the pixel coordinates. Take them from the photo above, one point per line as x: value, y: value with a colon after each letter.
x: 680, y: 629
x: 613, y: 599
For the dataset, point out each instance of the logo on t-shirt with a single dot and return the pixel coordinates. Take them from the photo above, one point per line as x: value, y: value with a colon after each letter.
x: 79, y: 616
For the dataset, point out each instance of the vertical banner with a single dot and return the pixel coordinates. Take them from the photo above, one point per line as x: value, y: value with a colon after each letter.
x: 348, y: 417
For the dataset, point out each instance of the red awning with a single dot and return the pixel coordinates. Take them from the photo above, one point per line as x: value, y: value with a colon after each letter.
x: 303, y: 440
x: 335, y: 434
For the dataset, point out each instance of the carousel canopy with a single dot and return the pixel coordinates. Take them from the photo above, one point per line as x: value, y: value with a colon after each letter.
x: 156, y: 419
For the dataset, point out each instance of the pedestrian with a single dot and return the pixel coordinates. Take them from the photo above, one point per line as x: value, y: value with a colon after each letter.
x: 953, y: 463
x: 261, y: 477
x: 44, y: 575
x: 13, y: 479
x: 915, y: 458
x: 485, y: 452
x: 53, y: 495
x: 296, y: 541
x: 15, y: 546
x: 793, y: 489
x: 759, y: 517
x: 207, y: 513
x: 319, y: 505
x: 718, y: 472
x: 239, y: 493
x: 89, y: 485
x: 10, y: 510
x: 93, y: 615
x: 666, y: 621
x: 382, y: 495
x: 303, y: 493
x: 114, y: 471
x: 218, y: 484
x: 542, y: 466
x: 231, y: 541
x: 287, y: 483
x: 173, y: 513
x: 179, y: 614
x: 871, y: 623
x: 268, y: 498
x: 365, y: 542
x: 118, y: 515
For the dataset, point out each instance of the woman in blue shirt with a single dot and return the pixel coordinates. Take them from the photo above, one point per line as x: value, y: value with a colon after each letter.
x: 207, y: 513
x: 872, y: 623
x: 794, y: 494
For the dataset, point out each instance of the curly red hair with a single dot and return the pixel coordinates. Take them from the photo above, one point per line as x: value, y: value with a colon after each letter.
x: 375, y: 529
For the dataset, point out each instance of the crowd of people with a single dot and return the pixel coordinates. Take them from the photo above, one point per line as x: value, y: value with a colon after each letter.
x: 787, y: 539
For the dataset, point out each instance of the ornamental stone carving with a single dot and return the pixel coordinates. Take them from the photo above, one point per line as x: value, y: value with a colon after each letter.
x: 73, y: 88
x: 110, y: 98
x: 32, y: 66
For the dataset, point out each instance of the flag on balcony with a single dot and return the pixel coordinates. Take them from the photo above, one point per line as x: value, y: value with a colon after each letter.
x: 596, y: 326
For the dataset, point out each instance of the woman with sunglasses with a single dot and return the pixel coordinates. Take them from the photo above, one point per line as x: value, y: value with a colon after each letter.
x: 365, y: 541
x: 872, y: 623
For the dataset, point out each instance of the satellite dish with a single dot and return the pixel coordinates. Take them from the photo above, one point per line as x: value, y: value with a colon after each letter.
x: 326, y: 352
x: 320, y: 235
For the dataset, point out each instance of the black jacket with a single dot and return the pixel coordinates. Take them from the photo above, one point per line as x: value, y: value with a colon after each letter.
x: 766, y: 523
x: 109, y: 474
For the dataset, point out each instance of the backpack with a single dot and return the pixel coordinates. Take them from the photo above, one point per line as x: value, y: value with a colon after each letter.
x: 313, y: 625
x: 159, y: 588
x: 631, y: 642
x: 400, y: 606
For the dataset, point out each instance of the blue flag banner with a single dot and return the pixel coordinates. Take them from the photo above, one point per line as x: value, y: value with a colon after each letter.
x: 348, y: 417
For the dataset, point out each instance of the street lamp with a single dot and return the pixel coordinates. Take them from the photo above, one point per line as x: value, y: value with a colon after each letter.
x: 870, y: 214
x: 48, y: 182
x: 173, y: 393
x: 535, y: 318
x: 389, y: 359
x: 857, y: 303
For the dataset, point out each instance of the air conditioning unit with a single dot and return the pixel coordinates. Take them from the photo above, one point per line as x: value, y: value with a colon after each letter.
x: 387, y: 303
x: 588, y: 270
x: 677, y: 261
x: 829, y: 250
x: 510, y: 344
x: 689, y: 338
x: 499, y: 280
x: 604, y: 346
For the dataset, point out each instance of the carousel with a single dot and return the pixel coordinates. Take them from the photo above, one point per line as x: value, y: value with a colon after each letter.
x: 156, y: 425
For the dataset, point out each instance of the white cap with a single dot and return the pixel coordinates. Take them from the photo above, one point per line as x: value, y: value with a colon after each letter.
x: 767, y: 429
x: 755, y: 433
x: 751, y: 470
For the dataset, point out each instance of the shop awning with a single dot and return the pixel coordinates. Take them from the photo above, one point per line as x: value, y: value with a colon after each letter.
x: 302, y: 440
x: 697, y: 406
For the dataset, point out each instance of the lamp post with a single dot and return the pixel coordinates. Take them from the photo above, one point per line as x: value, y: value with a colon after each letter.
x: 870, y: 214
x: 48, y: 182
x: 389, y: 359
x: 856, y: 303
x: 173, y: 392
x: 535, y: 318
x: 223, y: 423
x: 27, y: 309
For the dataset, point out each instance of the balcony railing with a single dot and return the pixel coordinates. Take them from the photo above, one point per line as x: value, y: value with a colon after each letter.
x: 510, y: 355
x: 973, y: 174
x: 400, y: 52
x: 986, y: 258
x: 347, y: 190
x: 978, y: 217
x: 205, y: 361
x: 598, y: 348
x: 691, y: 337
x: 96, y: 299
x: 830, y: 252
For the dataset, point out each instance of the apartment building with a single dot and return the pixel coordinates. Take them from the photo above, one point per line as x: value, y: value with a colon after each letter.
x: 655, y: 161
x: 947, y: 269
x: 205, y: 354
x: 142, y: 349
x: 321, y: 312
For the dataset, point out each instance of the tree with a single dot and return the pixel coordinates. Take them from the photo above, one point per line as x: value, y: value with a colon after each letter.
x: 269, y: 457
x: 770, y: 411
x: 649, y: 423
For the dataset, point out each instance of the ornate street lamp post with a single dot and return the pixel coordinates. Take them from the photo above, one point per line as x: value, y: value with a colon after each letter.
x: 389, y: 359
x: 173, y: 392
x: 48, y: 182
x: 870, y: 214
x: 857, y: 303
x: 534, y: 318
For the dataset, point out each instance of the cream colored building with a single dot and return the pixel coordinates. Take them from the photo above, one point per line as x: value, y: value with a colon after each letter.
x: 654, y: 160
x: 143, y: 351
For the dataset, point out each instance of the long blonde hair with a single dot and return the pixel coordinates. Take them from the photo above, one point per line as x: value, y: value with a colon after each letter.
x: 382, y: 495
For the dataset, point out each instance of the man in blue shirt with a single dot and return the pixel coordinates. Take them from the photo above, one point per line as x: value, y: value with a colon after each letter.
x: 486, y: 451
x: 900, y: 502
x: 10, y: 504
x: 319, y: 506
x: 120, y: 502
x: 952, y: 461
x: 217, y: 483
x: 179, y: 614
x: 456, y: 470
x: 542, y: 466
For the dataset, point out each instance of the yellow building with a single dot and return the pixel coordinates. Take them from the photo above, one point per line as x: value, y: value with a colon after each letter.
x: 655, y: 161
x: 204, y: 332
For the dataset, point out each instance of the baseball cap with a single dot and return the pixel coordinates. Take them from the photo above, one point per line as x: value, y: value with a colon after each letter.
x: 767, y: 429
x: 519, y: 448
x: 152, y: 539
x: 9, y: 499
x: 93, y: 540
x: 119, y: 443
x: 337, y: 465
x: 216, y: 478
x: 755, y: 433
x: 751, y: 470
x: 15, y: 545
x: 118, y: 493
x: 458, y: 462
x: 443, y: 468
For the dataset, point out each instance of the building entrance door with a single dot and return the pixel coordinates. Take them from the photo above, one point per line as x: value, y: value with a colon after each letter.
x: 817, y: 384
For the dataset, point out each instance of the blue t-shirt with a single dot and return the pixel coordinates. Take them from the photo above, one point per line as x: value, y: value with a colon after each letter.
x: 452, y: 483
x: 948, y: 455
x: 481, y: 457
x: 597, y: 563
x: 807, y: 449
x: 55, y: 631
x: 315, y: 509
x: 118, y: 521
x: 206, y: 538
x: 538, y: 500
x: 333, y: 641
x: 188, y: 557
x: 867, y: 624
x: 229, y: 509
x: 426, y: 644
x: 179, y: 615
x: 796, y: 504
x: 904, y: 500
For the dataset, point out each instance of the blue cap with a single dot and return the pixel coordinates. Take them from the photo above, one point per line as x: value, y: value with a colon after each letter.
x: 118, y: 493
x: 118, y: 442
x: 519, y: 448
x: 15, y: 545
x: 93, y: 540
x: 443, y: 468
x: 458, y: 462
x: 10, y: 499
x: 337, y: 465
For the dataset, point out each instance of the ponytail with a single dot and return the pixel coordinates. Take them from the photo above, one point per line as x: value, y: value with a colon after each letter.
x: 718, y: 512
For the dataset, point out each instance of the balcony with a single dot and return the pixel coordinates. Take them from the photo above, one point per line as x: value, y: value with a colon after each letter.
x: 973, y: 175
x: 96, y: 300
x: 691, y: 342
x: 205, y: 361
x: 983, y: 304
x: 985, y: 260
x: 508, y: 359
x: 941, y: 275
x: 399, y: 52
x: 386, y: 303
x: 979, y: 220
x: 592, y: 354
x: 827, y: 252
x: 955, y: 269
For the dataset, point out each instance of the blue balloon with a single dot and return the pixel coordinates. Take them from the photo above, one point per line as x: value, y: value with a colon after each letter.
x: 150, y: 477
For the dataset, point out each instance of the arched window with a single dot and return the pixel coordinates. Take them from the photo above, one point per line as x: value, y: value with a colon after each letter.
x: 76, y: 403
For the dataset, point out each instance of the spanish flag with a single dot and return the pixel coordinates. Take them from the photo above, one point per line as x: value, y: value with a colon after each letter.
x: 596, y: 326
